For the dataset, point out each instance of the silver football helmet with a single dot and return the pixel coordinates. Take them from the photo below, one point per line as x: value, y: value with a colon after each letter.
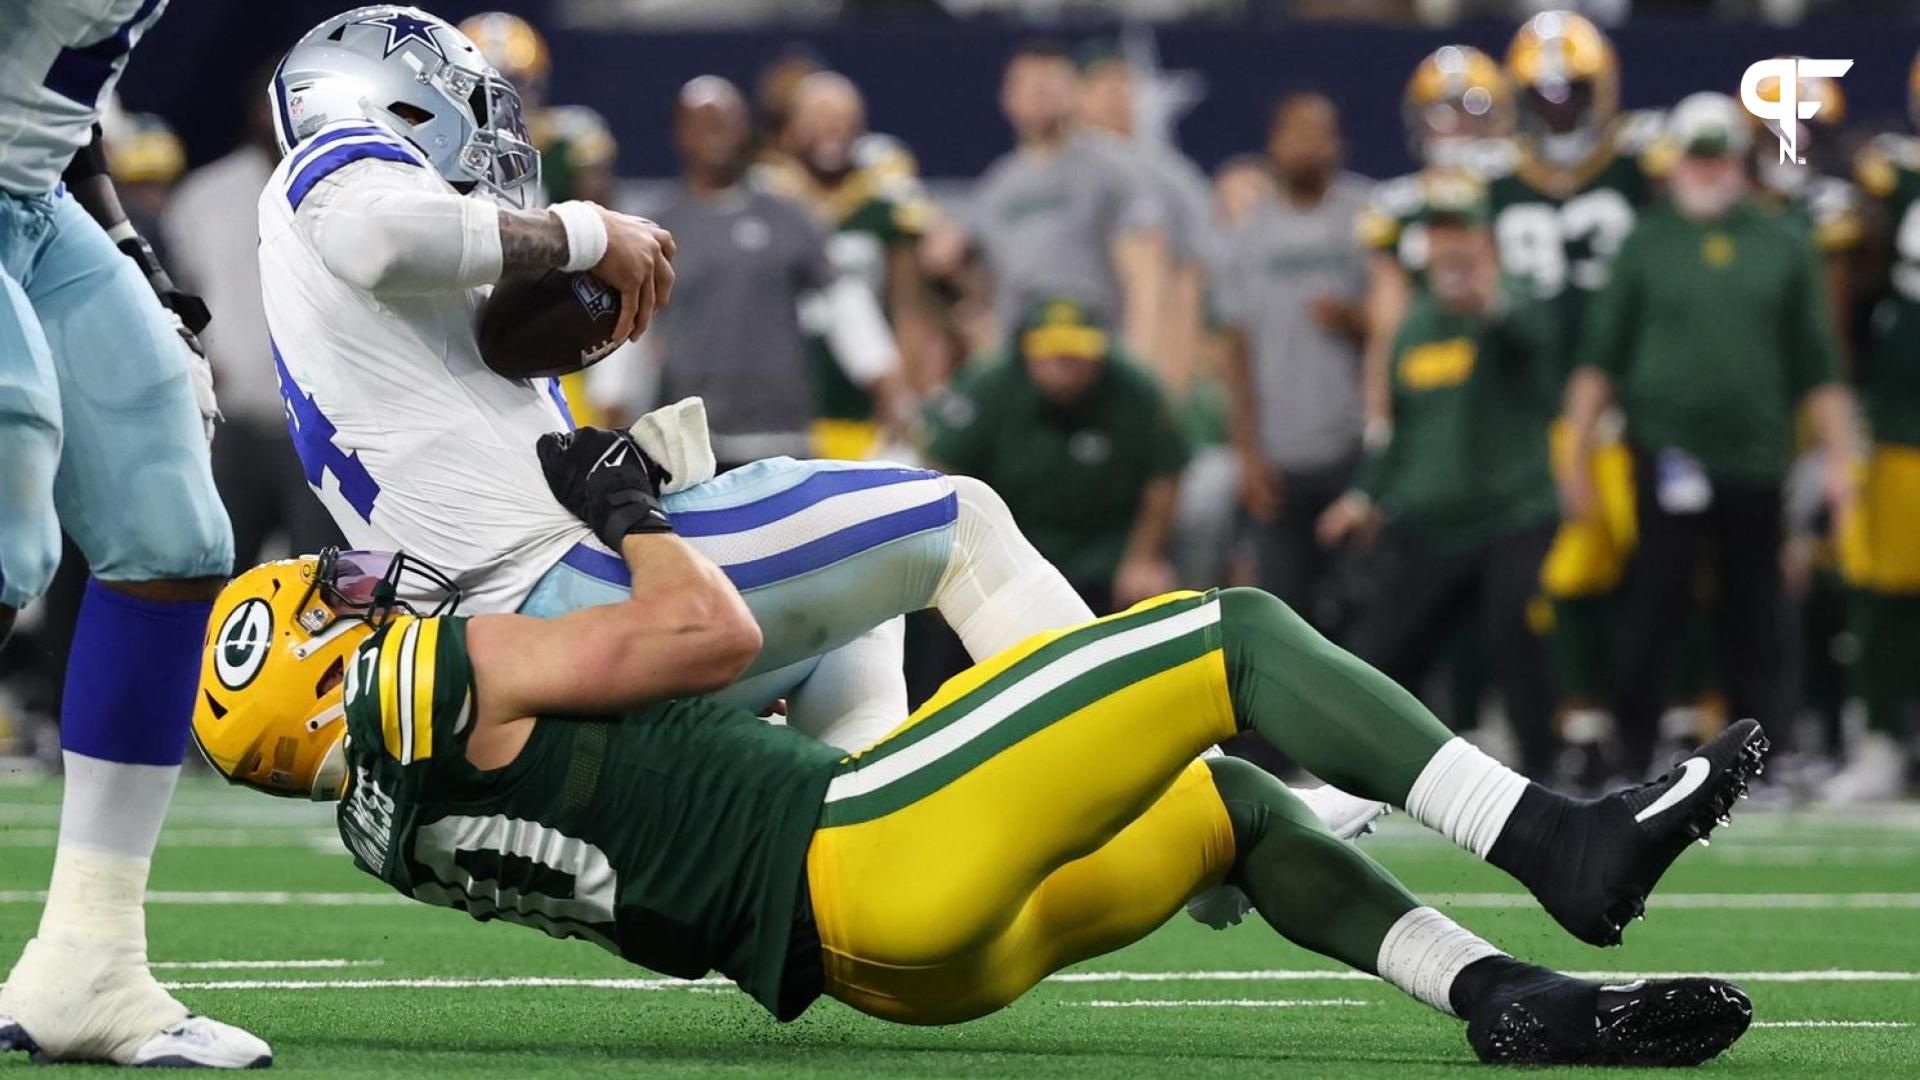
x: 418, y: 76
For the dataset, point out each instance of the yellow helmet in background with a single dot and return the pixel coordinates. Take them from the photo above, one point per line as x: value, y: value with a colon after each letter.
x: 1832, y: 99
x: 1566, y: 75
x: 280, y: 642
x: 1457, y: 92
x: 511, y: 45
x: 1913, y: 91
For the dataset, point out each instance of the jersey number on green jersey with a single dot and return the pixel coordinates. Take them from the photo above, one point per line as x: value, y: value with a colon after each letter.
x: 1570, y: 244
x: 562, y: 885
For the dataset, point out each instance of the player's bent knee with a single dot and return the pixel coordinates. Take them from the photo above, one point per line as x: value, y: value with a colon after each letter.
x: 1258, y: 803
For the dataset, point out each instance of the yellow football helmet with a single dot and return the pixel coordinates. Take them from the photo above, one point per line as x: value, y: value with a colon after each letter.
x: 1457, y: 92
x: 511, y: 45
x: 1913, y: 91
x: 1833, y: 100
x: 1566, y: 74
x: 270, y: 713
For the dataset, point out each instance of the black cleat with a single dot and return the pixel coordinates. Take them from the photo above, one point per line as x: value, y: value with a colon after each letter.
x: 1670, y: 1022
x: 1591, y: 864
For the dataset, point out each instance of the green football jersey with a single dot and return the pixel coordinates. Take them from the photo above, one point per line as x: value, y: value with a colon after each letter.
x: 675, y: 836
x: 571, y: 139
x: 1471, y: 404
x: 874, y: 216
x: 1561, y: 241
x: 1888, y: 172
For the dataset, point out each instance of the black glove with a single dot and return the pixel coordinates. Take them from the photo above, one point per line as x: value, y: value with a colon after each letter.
x: 191, y: 309
x: 603, y: 478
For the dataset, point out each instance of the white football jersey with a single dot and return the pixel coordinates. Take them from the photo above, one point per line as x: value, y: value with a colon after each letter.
x: 59, y: 60
x: 410, y: 441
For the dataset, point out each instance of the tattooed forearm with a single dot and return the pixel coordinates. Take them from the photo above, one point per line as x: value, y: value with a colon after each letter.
x: 531, y: 240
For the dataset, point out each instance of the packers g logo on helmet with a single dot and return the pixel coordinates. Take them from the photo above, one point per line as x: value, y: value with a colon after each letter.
x: 240, y: 645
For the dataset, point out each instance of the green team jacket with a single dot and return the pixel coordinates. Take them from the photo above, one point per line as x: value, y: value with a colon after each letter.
x: 1071, y: 475
x: 1472, y: 398
x: 1712, y: 333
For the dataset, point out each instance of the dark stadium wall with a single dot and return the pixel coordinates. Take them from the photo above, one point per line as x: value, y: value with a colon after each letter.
x: 934, y: 84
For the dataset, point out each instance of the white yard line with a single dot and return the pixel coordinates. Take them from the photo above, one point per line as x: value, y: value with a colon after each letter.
x: 1226, y: 1003
x: 1314, y: 975
x: 236, y: 897
x: 1705, y: 901
x: 1832, y: 1025
x: 1669, y: 901
x: 1071, y: 977
x: 260, y: 965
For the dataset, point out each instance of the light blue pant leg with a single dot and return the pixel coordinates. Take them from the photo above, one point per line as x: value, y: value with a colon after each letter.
x: 135, y: 486
x: 29, y: 452
x: 29, y: 413
x: 822, y: 552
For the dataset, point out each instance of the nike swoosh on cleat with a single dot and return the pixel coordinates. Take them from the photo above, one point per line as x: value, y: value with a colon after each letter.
x: 1694, y: 772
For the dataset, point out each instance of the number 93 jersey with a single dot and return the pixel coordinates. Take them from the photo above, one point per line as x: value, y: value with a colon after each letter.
x: 675, y: 836
x: 1560, y: 232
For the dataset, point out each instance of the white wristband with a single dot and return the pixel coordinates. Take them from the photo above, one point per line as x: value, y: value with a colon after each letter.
x: 586, y: 234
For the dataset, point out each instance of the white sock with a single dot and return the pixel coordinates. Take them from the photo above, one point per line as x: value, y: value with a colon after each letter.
x: 97, y: 898
x: 1425, y: 951
x: 998, y: 589
x: 110, y: 816
x: 1465, y: 795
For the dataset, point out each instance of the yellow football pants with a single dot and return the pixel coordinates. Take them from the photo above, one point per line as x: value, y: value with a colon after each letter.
x: 1880, y: 540
x: 1044, y: 807
x: 1588, y: 557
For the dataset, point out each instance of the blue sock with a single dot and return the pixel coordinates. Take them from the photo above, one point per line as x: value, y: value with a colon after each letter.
x: 131, y: 677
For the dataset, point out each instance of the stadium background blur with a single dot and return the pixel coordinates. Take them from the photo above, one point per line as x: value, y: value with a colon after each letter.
x: 1205, y: 77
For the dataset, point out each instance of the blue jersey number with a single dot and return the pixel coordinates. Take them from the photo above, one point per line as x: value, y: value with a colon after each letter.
x: 313, y: 440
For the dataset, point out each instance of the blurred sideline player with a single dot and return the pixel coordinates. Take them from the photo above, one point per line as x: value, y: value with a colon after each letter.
x: 562, y: 774
x: 372, y: 263
x: 1458, y: 112
x: 864, y: 189
x: 1560, y: 214
x: 1820, y: 192
x: 1879, y: 554
x: 577, y: 148
x: 105, y: 413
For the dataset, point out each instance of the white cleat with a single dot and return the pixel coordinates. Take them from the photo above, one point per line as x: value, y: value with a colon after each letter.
x: 83, y: 1002
x: 1348, y: 817
x: 1876, y: 772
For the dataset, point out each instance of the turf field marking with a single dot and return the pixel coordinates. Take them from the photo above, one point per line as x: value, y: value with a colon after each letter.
x: 1331, y: 975
x: 1703, y: 901
x: 1832, y: 1025
x: 262, y: 899
x: 436, y: 983
x: 1665, y: 901
x: 1071, y: 977
x: 1225, y: 1003
x: 259, y: 965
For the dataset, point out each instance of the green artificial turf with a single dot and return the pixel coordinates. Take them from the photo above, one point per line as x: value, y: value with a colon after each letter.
x: 1828, y: 905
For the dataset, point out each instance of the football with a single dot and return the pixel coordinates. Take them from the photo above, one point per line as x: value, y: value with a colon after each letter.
x: 553, y: 324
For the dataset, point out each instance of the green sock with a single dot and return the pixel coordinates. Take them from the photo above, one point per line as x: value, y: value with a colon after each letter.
x: 1323, y: 706
x: 1317, y: 891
